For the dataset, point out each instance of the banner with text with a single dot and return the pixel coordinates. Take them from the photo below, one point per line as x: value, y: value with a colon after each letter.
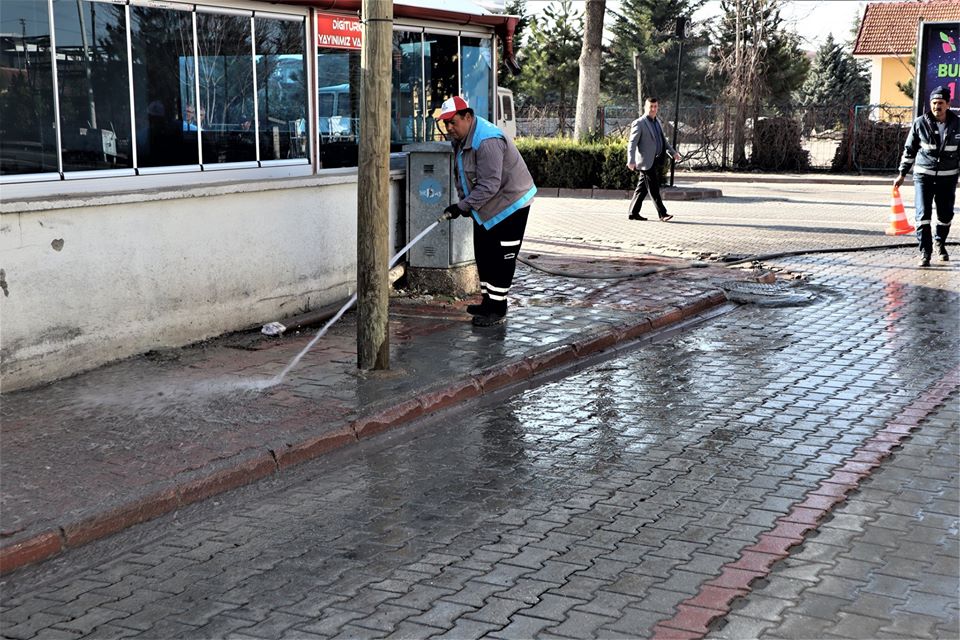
x: 338, y: 32
x: 939, y: 64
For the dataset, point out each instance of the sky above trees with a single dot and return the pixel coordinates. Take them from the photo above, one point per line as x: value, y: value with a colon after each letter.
x: 814, y: 20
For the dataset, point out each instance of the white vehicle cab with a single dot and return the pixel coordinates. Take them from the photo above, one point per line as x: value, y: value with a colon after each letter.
x: 506, y: 121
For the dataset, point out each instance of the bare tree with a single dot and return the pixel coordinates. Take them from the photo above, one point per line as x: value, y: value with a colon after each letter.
x: 588, y: 90
x: 741, y: 62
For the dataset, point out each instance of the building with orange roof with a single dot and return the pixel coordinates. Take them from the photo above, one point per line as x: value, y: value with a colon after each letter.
x: 888, y: 37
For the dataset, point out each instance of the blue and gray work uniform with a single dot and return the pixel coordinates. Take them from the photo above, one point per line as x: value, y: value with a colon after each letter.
x: 932, y: 149
x: 495, y: 186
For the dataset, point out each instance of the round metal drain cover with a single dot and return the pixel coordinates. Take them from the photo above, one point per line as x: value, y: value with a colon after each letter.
x: 778, y: 294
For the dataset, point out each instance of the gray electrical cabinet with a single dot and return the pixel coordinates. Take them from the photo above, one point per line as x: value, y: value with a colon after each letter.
x: 430, y: 189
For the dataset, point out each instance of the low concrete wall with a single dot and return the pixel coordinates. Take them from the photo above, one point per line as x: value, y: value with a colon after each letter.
x: 91, y: 279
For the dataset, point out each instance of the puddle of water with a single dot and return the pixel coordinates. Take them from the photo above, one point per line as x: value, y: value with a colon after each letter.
x: 166, y: 398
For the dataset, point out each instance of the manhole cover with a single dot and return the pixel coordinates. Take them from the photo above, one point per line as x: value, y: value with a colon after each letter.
x: 778, y: 294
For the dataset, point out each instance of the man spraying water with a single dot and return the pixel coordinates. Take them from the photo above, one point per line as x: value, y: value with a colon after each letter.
x: 495, y: 189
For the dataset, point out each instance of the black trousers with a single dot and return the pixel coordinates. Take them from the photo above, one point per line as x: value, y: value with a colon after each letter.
x: 649, y: 181
x: 496, y: 250
x: 930, y: 190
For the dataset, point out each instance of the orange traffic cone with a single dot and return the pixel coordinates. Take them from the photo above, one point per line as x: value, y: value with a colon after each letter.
x: 898, y: 219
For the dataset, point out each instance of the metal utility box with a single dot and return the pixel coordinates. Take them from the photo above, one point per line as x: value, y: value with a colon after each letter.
x: 430, y: 189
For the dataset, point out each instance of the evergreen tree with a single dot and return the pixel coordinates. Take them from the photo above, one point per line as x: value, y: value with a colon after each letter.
x: 907, y: 88
x: 785, y: 67
x: 836, y: 78
x: 781, y: 65
x: 515, y: 8
x: 648, y: 26
x: 550, y: 54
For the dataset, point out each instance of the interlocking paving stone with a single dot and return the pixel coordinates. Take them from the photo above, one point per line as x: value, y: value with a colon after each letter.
x: 638, y: 474
x: 880, y: 595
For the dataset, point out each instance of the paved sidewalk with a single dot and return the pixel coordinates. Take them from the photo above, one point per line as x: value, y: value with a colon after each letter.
x: 91, y: 455
x: 884, y: 565
x: 650, y: 495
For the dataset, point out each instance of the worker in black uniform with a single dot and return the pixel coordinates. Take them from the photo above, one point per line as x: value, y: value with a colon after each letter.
x: 495, y: 189
x: 932, y: 149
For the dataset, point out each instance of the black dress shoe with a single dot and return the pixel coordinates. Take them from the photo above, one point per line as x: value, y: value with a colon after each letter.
x: 665, y: 217
x: 925, y: 260
x: 635, y: 216
x: 475, y: 309
x: 489, y: 319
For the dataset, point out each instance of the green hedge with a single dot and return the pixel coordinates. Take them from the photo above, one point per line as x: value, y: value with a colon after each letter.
x: 567, y: 164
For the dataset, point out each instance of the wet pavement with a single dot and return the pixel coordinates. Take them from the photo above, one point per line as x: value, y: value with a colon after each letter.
x: 644, y: 495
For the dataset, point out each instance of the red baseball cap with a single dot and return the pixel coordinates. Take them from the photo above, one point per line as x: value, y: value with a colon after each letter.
x: 451, y: 106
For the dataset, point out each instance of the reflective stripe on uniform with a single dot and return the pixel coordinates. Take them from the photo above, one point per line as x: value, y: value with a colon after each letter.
x: 510, y: 243
x: 940, y: 223
x: 926, y: 146
x: 950, y: 147
x: 934, y: 172
x: 921, y: 223
x: 493, y: 296
x: 497, y: 289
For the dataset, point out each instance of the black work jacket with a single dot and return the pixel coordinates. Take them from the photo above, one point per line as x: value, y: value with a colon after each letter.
x: 926, y: 152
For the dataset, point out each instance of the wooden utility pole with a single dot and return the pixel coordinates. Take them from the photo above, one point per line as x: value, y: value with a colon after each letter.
x: 373, y: 187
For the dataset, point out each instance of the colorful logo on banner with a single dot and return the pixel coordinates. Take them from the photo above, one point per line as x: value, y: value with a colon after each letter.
x: 338, y: 32
x: 940, y: 62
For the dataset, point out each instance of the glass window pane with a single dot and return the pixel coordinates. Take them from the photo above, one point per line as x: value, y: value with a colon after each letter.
x: 226, y: 88
x: 282, y: 89
x: 476, y: 75
x: 93, y: 82
x: 407, y: 108
x: 441, y: 62
x: 28, y: 142
x: 164, y: 98
x: 338, y: 102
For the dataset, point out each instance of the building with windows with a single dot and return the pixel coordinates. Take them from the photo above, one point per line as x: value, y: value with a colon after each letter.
x: 171, y: 170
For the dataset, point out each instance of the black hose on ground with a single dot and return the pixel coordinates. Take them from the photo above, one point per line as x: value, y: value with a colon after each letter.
x: 633, y: 274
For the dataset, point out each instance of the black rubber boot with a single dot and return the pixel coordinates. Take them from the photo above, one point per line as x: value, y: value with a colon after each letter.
x: 942, y: 252
x: 489, y: 319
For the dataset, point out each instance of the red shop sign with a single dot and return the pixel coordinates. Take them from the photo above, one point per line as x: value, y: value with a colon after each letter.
x: 338, y: 32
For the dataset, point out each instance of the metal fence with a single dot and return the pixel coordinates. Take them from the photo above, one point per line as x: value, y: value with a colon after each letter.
x: 834, y: 137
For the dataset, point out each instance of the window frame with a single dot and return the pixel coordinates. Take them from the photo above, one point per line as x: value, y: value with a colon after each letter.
x: 137, y: 177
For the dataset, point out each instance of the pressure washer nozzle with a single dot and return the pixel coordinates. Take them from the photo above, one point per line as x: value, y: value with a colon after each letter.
x: 444, y: 216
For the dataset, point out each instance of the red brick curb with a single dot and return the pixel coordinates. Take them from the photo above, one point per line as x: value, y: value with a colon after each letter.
x: 695, y: 615
x: 231, y: 474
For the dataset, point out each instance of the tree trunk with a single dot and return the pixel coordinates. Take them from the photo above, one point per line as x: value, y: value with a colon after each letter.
x: 588, y: 90
x: 373, y: 187
x: 739, y: 136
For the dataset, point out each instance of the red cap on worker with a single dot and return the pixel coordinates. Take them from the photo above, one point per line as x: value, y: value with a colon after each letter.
x: 451, y: 106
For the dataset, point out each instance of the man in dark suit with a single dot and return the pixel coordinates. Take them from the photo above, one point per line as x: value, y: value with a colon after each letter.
x: 646, y: 152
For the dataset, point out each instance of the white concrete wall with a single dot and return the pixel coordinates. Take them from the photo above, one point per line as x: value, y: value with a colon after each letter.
x: 91, y: 279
